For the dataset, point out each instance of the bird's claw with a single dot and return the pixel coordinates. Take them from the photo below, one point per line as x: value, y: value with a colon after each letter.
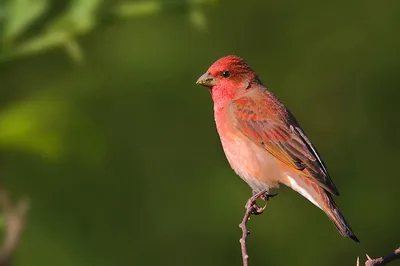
x: 266, y: 196
x: 252, y: 206
x: 256, y: 210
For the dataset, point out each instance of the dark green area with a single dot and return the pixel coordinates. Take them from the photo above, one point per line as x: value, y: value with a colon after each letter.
x: 116, y: 146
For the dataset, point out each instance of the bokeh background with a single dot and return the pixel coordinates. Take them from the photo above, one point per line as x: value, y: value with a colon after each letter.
x: 103, y: 128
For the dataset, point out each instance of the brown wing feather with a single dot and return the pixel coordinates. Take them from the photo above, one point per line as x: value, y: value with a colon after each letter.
x: 272, y: 127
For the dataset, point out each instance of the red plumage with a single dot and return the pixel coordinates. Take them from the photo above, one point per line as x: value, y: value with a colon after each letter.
x: 262, y: 140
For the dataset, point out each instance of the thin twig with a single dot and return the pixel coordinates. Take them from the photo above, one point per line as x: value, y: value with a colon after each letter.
x: 382, y: 260
x: 15, y: 217
x: 251, y: 208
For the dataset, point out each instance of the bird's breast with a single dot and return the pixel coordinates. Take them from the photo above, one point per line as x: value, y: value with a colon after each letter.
x: 252, y: 163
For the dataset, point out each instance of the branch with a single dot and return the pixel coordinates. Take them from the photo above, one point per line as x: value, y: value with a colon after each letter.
x: 382, y: 260
x: 15, y: 217
x: 251, y: 208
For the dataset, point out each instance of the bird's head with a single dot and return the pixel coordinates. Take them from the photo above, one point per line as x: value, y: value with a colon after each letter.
x: 228, y: 78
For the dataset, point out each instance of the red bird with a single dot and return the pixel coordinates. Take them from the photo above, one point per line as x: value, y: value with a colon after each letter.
x: 262, y: 140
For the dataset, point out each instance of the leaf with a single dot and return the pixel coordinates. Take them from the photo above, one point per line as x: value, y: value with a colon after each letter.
x: 79, y: 18
x: 74, y: 50
x: 35, y: 45
x: 136, y: 9
x: 20, y: 14
x: 34, y: 125
x: 198, y: 19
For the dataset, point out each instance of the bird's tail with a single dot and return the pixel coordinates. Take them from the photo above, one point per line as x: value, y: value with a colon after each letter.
x: 337, y: 218
x: 323, y: 200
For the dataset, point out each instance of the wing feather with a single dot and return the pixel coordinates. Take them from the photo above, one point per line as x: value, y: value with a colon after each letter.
x: 280, y: 135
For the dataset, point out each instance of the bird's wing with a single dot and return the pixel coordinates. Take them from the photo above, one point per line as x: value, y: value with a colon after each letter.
x: 283, y: 138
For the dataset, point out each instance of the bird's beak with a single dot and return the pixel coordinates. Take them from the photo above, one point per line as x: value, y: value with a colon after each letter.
x: 206, y: 80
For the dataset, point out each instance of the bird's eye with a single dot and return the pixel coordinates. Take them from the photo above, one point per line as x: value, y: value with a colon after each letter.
x: 226, y: 74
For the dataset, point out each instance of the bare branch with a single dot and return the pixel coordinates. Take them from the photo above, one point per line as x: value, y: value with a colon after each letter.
x: 251, y: 208
x: 15, y: 217
x: 383, y: 260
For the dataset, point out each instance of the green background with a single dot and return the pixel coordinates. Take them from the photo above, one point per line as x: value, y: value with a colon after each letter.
x: 106, y: 132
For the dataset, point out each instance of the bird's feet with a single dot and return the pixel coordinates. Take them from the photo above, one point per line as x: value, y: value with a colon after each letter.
x: 253, y: 208
x: 251, y: 204
x: 257, y: 210
x: 264, y: 195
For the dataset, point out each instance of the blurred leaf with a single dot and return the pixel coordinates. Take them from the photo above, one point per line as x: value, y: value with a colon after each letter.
x: 2, y: 12
x: 78, y: 18
x: 38, y: 44
x: 199, y: 2
x: 32, y: 125
x: 20, y: 14
x: 130, y: 9
x: 198, y: 18
x: 74, y: 50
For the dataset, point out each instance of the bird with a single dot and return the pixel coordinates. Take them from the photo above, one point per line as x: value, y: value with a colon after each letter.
x: 262, y: 140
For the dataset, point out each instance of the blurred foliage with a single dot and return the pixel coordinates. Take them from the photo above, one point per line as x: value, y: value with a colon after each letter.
x: 119, y: 153
x: 59, y: 24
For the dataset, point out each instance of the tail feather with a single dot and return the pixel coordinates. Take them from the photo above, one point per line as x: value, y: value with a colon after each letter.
x: 338, y: 220
x: 323, y: 200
